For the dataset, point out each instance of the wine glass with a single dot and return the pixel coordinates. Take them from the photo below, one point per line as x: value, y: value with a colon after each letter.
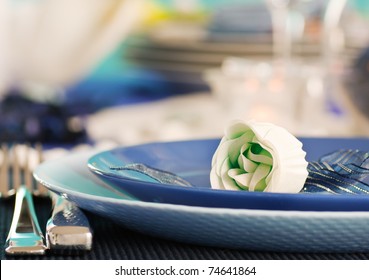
x: 281, y: 37
x: 332, y: 37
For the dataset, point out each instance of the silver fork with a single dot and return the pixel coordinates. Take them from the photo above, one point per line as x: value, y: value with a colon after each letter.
x: 67, y: 229
x: 25, y: 235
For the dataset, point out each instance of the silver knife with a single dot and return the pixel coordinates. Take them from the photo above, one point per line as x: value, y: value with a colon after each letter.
x: 68, y: 227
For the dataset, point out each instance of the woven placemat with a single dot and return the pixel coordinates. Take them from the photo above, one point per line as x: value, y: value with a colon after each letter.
x: 114, y: 242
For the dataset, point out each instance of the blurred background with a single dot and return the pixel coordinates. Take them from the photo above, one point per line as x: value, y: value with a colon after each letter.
x: 133, y: 71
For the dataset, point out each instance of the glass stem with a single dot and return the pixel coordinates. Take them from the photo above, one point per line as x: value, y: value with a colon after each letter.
x: 281, y: 35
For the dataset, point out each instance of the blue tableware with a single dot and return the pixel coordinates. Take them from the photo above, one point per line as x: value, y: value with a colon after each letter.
x: 297, y: 231
x: 191, y: 161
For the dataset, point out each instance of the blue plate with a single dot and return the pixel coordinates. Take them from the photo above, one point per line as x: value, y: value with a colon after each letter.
x: 297, y: 231
x: 191, y: 160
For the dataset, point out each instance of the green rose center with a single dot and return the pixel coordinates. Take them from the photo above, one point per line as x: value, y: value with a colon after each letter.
x: 253, y: 165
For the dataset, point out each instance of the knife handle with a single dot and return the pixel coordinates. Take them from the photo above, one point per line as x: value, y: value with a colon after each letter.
x: 68, y: 227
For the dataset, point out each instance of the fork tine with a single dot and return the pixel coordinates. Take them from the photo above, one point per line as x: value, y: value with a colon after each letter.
x: 40, y: 189
x: 27, y: 168
x: 16, y: 182
x: 4, y: 175
x: 25, y: 235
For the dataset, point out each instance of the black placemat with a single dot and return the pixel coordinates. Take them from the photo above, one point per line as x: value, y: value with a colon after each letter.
x: 114, y: 242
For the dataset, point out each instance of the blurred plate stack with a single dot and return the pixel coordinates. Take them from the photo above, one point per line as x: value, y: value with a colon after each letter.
x: 180, y: 50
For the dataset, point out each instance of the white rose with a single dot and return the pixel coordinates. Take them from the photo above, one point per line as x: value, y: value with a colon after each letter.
x: 256, y: 156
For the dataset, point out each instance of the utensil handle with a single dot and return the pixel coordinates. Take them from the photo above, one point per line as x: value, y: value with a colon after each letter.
x: 25, y: 236
x: 68, y: 227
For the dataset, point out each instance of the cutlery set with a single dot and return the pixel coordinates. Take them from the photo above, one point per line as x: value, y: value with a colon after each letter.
x: 67, y: 229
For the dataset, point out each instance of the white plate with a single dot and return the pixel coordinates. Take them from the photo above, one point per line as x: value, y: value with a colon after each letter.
x: 299, y: 231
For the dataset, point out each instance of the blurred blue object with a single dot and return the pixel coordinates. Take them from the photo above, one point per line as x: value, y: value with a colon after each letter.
x: 25, y: 120
x: 95, y: 93
x: 357, y: 82
x: 241, y: 19
x: 121, y: 80
x: 135, y: 86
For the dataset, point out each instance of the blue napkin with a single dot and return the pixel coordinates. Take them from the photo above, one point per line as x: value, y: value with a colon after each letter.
x: 341, y: 172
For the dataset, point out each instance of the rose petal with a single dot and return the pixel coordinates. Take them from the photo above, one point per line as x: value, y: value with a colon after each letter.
x: 235, y: 130
x: 262, y: 156
x: 260, y: 174
x: 246, y: 164
x: 231, y: 148
x: 215, y: 180
x: 227, y: 181
x: 242, y: 179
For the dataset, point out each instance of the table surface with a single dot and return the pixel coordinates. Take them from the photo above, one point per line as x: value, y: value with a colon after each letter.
x: 114, y: 242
